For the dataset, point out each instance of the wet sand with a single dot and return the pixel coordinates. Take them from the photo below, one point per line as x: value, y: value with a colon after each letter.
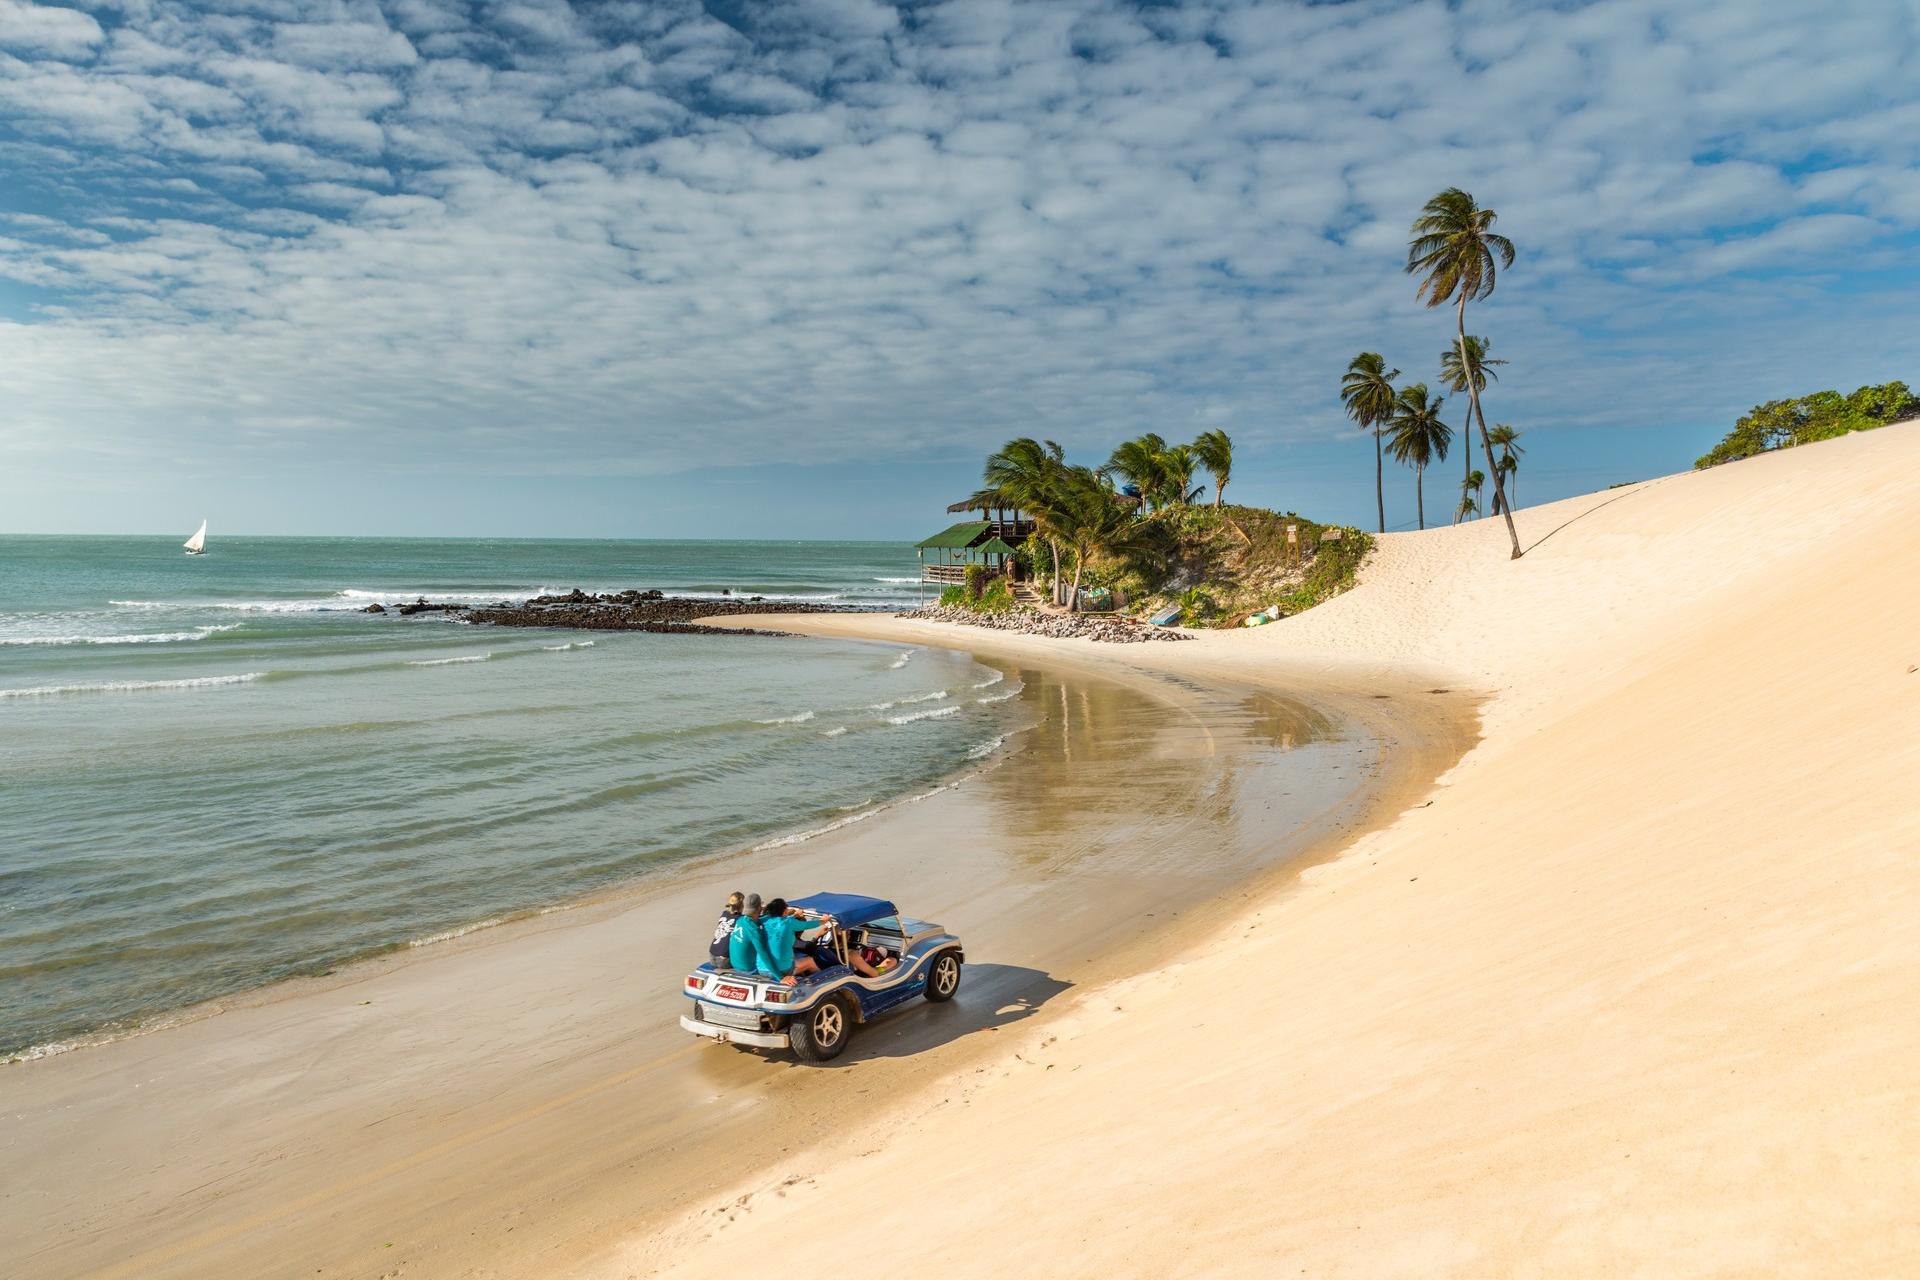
x: 516, y: 1100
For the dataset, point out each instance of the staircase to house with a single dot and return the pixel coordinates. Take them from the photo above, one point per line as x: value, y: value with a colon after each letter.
x: 1026, y: 594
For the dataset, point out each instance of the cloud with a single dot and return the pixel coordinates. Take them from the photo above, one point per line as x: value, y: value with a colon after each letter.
x: 43, y: 29
x: 528, y: 238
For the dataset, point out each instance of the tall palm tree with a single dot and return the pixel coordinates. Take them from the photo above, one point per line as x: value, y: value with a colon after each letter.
x: 1215, y: 451
x: 1453, y: 249
x: 1367, y: 391
x: 1478, y: 365
x: 1025, y: 474
x: 1507, y: 440
x: 1141, y: 462
x: 1419, y: 438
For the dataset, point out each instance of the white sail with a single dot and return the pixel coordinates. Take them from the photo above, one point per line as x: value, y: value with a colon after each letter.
x: 198, y: 542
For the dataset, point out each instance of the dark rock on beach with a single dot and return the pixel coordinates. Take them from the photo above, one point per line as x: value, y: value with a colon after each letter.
x: 422, y: 605
x: 1057, y: 626
x: 375, y: 608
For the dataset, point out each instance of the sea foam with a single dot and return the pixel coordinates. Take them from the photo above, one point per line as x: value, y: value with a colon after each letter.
x: 448, y: 662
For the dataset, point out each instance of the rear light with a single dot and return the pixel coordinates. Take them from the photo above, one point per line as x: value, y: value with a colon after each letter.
x: 695, y: 982
x: 775, y: 995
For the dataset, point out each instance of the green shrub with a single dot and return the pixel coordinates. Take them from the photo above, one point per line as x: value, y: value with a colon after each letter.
x: 954, y: 597
x: 997, y: 598
x: 976, y: 580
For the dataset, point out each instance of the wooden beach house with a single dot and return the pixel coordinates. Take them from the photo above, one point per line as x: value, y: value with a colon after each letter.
x: 989, y: 542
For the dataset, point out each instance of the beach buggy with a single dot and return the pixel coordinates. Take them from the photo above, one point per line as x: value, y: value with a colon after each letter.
x: 815, y: 1016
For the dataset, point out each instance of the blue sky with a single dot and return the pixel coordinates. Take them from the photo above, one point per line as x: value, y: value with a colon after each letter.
x: 655, y: 269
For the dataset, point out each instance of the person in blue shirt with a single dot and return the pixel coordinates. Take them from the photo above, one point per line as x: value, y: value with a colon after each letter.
x: 781, y: 932
x: 747, y: 944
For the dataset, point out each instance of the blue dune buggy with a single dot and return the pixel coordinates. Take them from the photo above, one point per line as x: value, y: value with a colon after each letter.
x: 815, y: 1016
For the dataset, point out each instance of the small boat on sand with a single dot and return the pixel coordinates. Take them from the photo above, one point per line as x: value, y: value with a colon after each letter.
x: 197, y: 544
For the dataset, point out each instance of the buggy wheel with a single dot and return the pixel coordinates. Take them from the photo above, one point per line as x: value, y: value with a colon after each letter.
x: 945, y: 978
x: 821, y: 1033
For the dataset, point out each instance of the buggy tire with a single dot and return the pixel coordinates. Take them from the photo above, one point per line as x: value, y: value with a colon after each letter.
x: 822, y: 1032
x: 943, y: 980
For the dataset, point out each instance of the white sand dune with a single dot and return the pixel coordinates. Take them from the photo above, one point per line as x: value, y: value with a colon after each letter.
x: 1635, y: 993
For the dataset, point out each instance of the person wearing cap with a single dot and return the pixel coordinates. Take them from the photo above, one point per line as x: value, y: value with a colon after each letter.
x: 719, y: 950
x: 747, y: 944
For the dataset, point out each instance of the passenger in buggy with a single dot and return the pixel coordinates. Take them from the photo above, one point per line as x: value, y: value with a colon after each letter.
x: 747, y: 950
x: 720, y: 950
x: 787, y: 933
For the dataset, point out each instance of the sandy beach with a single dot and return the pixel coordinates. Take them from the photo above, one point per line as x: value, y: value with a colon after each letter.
x: 1632, y: 992
x: 1538, y: 918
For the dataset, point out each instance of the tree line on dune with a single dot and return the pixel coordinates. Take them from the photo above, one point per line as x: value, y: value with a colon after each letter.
x: 1781, y: 424
x: 1457, y: 255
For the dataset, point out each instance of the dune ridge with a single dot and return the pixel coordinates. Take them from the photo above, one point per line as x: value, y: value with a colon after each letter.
x: 1632, y: 992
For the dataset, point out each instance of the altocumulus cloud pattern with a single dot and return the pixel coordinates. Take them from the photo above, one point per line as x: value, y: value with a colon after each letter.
x: 615, y: 236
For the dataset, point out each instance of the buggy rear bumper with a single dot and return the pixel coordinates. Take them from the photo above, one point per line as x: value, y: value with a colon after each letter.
x: 734, y: 1035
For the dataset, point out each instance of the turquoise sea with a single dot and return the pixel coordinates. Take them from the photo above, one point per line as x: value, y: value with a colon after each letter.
x: 216, y: 771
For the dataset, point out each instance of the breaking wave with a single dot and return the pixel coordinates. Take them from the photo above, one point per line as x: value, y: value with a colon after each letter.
x: 448, y: 662
x: 800, y: 718
x: 933, y: 713
x: 150, y: 637
x: 131, y: 686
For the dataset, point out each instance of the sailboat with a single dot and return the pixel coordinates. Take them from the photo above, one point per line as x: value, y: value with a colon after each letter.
x: 197, y: 544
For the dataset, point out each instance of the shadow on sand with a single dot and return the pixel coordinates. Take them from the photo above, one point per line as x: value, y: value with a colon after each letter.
x: 991, y: 996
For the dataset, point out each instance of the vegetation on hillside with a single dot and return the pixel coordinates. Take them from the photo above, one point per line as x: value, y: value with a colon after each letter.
x: 1780, y: 424
x: 1221, y: 563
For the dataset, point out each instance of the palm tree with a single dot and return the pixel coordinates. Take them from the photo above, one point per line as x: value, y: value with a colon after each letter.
x: 1454, y: 248
x: 1025, y: 474
x: 1478, y: 364
x: 1087, y: 518
x: 1470, y: 495
x: 1177, y: 466
x: 1419, y: 438
x: 1506, y: 439
x: 1215, y: 451
x: 1141, y: 462
x: 1367, y: 391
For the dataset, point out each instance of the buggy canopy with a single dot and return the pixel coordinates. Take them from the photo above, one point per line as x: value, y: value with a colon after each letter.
x: 849, y: 909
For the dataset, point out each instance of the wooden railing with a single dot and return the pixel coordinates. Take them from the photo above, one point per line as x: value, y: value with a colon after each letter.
x: 955, y: 574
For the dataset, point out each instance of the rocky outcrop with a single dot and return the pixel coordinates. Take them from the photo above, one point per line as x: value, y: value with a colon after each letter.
x: 1057, y: 626
x: 632, y: 610
x: 423, y: 605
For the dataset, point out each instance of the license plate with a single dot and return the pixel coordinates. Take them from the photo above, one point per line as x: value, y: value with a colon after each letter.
x: 728, y: 992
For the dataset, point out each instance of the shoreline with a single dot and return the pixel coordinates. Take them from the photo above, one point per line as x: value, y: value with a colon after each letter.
x: 1198, y: 735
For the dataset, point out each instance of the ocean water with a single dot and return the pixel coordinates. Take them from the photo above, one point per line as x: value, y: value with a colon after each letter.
x: 215, y: 771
